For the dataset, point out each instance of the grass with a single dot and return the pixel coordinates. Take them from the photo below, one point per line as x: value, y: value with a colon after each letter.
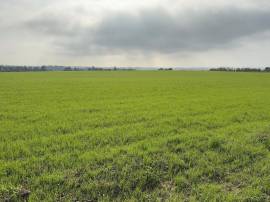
x: 135, y: 136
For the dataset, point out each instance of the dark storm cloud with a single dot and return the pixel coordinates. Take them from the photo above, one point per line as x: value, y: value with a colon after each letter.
x: 156, y: 30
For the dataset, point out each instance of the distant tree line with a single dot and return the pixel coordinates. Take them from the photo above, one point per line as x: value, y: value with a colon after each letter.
x: 230, y: 69
x: 165, y: 69
x: 16, y: 68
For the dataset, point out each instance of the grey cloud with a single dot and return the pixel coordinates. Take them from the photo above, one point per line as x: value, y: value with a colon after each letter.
x: 155, y: 30
x: 53, y: 25
x: 47, y: 25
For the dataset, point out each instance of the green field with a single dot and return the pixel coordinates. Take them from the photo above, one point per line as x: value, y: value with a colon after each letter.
x: 135, y: 136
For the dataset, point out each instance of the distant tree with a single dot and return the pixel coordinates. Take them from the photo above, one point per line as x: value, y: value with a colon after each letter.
x: 43, y: 68
x: 166, y: 69
x: 267, y: 69
x: 67, y: 69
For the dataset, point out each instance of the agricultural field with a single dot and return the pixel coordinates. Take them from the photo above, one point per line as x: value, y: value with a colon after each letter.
x: 135, y: 136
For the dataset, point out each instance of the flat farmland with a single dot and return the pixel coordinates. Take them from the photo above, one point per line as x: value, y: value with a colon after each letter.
x: 135, y: 136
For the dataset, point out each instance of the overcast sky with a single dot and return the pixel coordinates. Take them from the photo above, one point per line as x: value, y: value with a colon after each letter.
x: 135, y: 33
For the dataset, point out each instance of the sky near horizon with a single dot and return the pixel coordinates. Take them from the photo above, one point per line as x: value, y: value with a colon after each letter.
x: 135, y: 33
